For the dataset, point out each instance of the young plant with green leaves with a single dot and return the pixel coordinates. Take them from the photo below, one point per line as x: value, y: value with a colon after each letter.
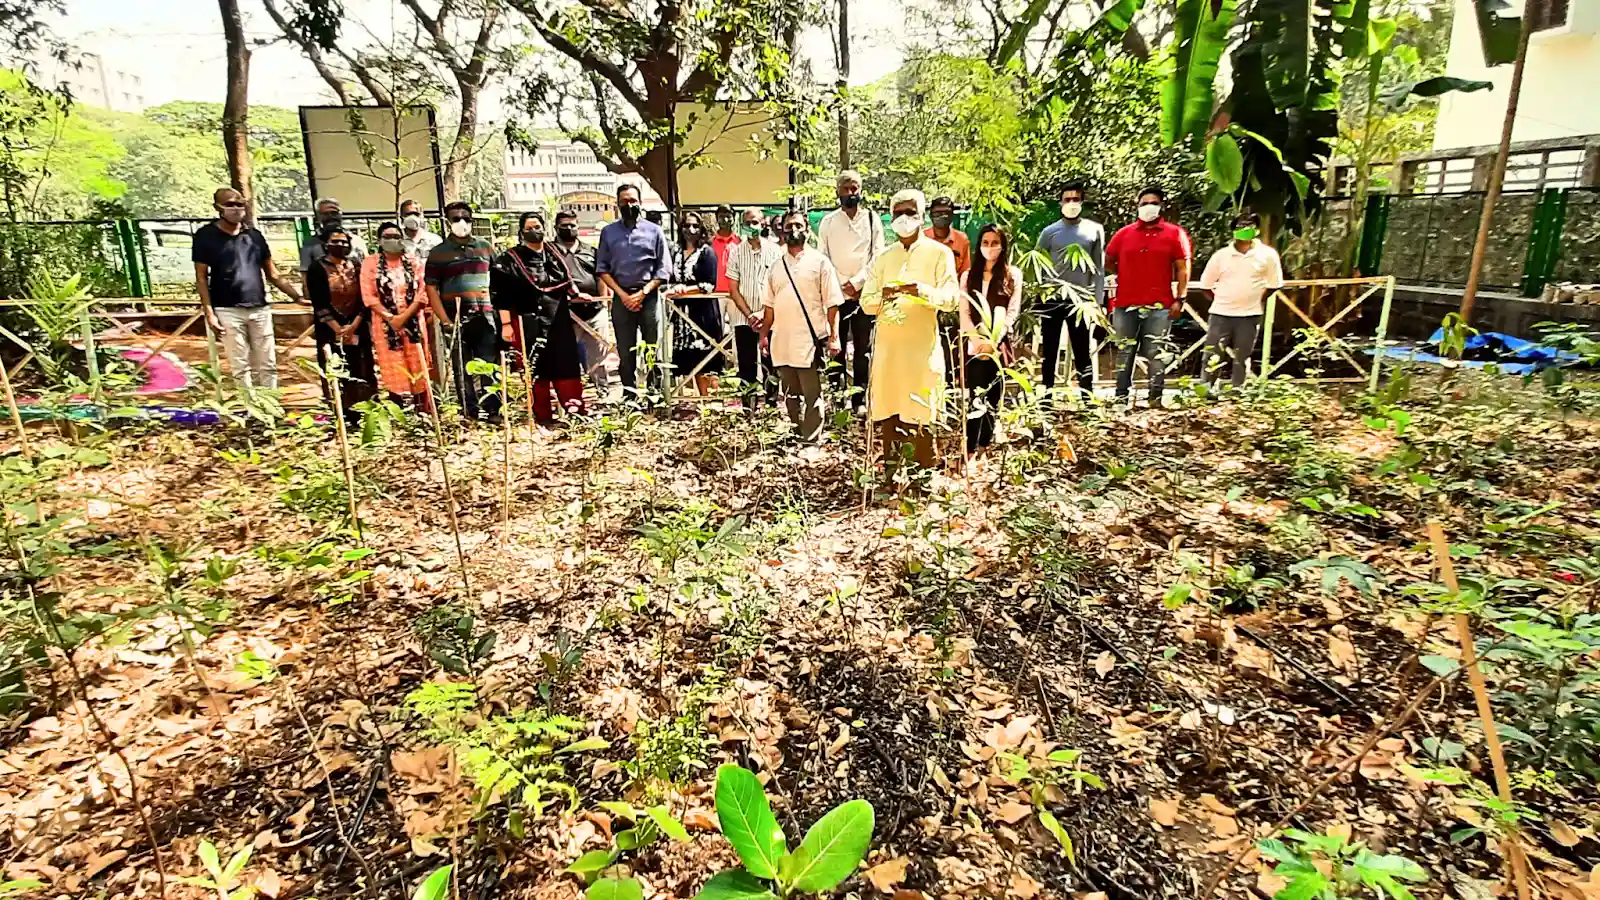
x: 827, y: 855
x: 1330, y: 866
x: 223, y: 879
x: 646, y: 826
x: 1045, y: 778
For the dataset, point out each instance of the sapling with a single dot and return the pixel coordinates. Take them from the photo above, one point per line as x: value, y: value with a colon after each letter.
x: 1328, y: 866
x: 827, y: 855
x: 648, y: 825
x: 224, y: 879
x: 1044, y: 781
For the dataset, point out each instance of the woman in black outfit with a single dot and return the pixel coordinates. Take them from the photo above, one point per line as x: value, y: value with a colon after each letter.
x: 531, y: 282
x: 693, y: 279
x: 333, y: 285
x: 998, y: 285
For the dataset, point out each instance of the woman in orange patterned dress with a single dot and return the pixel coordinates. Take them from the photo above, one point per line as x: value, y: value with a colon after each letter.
x: 392, y: 287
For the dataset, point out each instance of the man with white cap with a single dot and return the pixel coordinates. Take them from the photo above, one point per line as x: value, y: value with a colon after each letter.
x: 851, y: 237
x: 909, y: 284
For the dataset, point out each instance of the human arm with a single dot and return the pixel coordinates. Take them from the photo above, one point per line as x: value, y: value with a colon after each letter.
x: 942, y: 290
x: 1212, y: 272
x: 874, y: 248
x: 1180, y: 271
x: 1097, y: 255
x: 279, y: 282
x: 203, y: 288
x: 1275, y: 272
x: 320, y: 297
x: 832, y: 299
x: 872, y: 294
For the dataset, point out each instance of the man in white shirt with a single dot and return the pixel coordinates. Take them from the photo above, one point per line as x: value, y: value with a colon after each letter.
x: 749, y: 262
x: 851, y: 237
x: 419, y: 240
x: 1238, y: 276
x: 800, y: 323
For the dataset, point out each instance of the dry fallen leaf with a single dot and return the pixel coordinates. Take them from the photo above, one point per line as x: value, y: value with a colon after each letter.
x: 700, y: 820
x: 268, y: 883
x: 1104, y: 663
x: 1564, y: 833
x: 885, y: 875
x: 1224, y: 826
x: 1023, y: 887
x: 1012, y: 813
x: 1165, y: 812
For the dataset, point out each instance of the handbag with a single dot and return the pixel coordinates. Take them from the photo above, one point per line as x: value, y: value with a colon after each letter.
x: 819, y: 347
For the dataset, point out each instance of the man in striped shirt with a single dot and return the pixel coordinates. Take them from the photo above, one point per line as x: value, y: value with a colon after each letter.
x: 747, y: 274
x: 457, y: 276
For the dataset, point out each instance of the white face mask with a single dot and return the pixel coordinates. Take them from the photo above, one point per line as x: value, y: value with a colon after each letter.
x: 991, y: 252
x: 461, y: 229
x: 1070, y: 209
x: 412, y: 223
x: 906, y: 226
x: 1149, y: 212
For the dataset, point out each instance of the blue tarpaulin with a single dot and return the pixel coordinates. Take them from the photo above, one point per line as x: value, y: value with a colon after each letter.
x: 1512, y: 355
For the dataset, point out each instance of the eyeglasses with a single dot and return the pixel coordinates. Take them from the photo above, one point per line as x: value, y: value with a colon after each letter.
x: 344, y: 244
x: 458, y: 218
x: 232, y: 204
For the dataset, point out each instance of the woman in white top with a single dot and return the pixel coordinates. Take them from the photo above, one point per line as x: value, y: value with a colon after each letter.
x: 992, y: 295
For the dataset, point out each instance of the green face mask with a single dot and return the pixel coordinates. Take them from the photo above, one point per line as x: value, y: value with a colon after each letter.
x: 1246, y: 234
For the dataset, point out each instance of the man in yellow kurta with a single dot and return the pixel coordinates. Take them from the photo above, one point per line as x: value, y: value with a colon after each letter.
x: 909, y: 284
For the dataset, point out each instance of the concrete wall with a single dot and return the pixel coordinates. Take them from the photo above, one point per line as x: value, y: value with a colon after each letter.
x: 1559, y: 85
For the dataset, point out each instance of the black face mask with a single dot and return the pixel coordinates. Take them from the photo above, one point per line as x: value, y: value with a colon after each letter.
x: 567, y: 232
x: 630, y: 212
x: 533, y: 235
x: 942, y: 220
x: 850, y: 201
x: 725, y: 221
x: 332, y: 218
x: 794, y: 238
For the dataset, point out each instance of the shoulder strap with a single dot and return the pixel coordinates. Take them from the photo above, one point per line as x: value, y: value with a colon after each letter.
x: 799, y: 299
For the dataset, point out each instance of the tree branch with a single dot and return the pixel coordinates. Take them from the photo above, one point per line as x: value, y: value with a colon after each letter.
x: 589, y: 60
x: 706, y: 77
x: 312, y: 52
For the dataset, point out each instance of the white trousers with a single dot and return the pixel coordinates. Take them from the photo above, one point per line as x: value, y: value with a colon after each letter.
x: 252, y: 350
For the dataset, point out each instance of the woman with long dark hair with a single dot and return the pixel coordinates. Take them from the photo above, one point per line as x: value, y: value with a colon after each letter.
x: 992, y: 284
x: 333, y: 285
x: 393, y: 289
x: 694, y: 277
x: 531, y: 282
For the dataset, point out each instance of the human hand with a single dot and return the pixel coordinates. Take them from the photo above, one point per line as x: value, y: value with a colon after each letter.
x: 980, y: 347
x: 213, y: 319
x: 506, y: 334
x: 850, y: 290
x: 766, y: 343
x: 754, y: 320
x: 834, y: 347
x: 395, y: 322
x: 1174, y: 312
x: 633, y: 302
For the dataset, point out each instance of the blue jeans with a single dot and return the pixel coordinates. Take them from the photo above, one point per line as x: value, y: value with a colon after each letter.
x: 1142, y: 331
x: 630, y: 329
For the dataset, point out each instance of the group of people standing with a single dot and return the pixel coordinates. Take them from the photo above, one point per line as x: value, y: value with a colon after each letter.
x: 793, y: 303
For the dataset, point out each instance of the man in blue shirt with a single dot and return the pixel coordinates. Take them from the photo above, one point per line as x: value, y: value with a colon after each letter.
x: 633, y: 260
x: 1068, y: 231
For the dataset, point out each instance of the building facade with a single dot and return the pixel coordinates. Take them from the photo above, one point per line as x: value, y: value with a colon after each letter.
x: 1555, y: 106
x: 562, y: 168
x: 97, y: 82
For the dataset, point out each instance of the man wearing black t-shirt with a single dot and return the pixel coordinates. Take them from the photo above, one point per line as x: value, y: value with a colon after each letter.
x: 230, y: 258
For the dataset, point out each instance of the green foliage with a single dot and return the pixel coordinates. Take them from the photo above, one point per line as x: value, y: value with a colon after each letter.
x: 224, y: 879
x: 436, y: 886
x: 1547, y: 688
x: 648, y: 826
x: 1189, y: 97
x: 452, y: 639
x: 828, y: 854
x: 1044, y: 779
x: 671, y: 751
x: 1353, y: 870
x: 1338, y: 569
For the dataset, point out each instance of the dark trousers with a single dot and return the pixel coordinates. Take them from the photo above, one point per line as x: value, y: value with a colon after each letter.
x: 477, y: 337
x: 1230, y: 338
x: 855, y: 350
x: 631, y: 328
x: 755, y: 367
x: 986, y: 387
x: 1050, y: 325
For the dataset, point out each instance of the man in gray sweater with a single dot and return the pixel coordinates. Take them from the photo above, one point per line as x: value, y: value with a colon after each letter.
x: 1071, y: 230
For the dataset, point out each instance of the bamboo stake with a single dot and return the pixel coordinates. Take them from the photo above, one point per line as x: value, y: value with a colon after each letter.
x: 344, y: 451
x: 16, y: 414
x: 449, y: 489
x: 1480, y: 693
x: 505, y: 418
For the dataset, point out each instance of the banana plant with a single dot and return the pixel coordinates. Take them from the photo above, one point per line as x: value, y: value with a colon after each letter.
x: 827, y: 855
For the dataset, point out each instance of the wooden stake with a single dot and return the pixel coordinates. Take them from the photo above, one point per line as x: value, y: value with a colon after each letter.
x: 505, y: 417
x: 1480, y: 693
x: 16, y: 414
x: 344, y: 451
x: 449, y: 489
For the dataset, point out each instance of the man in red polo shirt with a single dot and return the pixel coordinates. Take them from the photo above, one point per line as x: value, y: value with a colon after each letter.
x: 1147, y: 257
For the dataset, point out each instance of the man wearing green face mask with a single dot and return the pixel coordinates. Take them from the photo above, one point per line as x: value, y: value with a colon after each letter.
x: 1238, y: 276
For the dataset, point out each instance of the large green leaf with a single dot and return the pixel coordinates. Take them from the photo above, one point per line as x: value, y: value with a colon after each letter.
x: 1119, y: 15
x: 734, y: 884
x: 1224, y: 163
x: 832, y: 848
x: 747, y: 821
x: 615, y: 889
x: 436, y: 886
x: 1189, y: 95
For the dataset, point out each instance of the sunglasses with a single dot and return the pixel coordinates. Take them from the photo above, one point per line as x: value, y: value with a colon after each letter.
x: 233, y: 204
x: 458, y: 218
x: 345, y: 244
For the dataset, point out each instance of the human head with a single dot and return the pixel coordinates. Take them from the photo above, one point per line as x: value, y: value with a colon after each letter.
x: 328, y: 211
x: 391, y: 239
x: 410, y: 208
x: 750, y: 221
x: 229, y: 204
x: 1072, y: 194
x: 691, y: 230
x: 1151, y: 199
x: 336, y: 240
x: 628, y: 203
x: 942, y: 212
x: 848, y: 188
x: 1246, y: 226
x: 795, y: 228
x: 724, y: 218
x: 994, y: 255
x: 531, y: 222
x: 567, y: 225
x: 459, y: 214
x: 907, y: 207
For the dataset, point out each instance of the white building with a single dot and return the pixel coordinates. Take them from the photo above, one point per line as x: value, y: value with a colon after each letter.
x: 561, y: 167
x: 95, y: 81
x: 1557, y: 107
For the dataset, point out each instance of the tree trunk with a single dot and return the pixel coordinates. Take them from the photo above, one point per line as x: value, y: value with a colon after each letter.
x: 461, y: 151
x: 236, y: 108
